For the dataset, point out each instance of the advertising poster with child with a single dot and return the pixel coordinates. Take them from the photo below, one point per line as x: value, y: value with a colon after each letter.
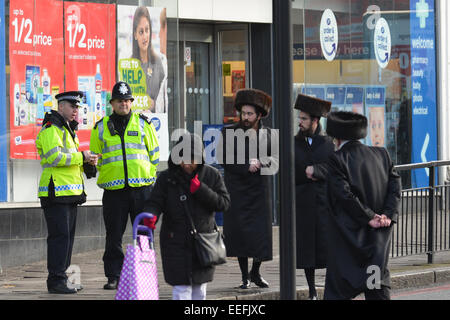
x: 142, y: 63
x: 90, y: 46
x: 375, y: 97
x: 37, y: 68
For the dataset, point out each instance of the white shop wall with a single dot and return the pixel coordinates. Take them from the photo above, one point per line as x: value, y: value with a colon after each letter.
x: 26, y: 174
x: 258, y: 11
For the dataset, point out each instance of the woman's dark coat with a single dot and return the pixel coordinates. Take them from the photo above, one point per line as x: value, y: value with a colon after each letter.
x: 362, y: 183
x: 179, y: 262
x: 248, y: 222
x: 311, y: 199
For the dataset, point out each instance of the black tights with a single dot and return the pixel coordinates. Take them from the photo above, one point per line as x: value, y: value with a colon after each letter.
x: 310, y: 275
x: 243, y: 265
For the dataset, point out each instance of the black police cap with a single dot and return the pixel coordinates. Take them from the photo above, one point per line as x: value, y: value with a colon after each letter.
x: 75, y: 97
x: 121, y: 91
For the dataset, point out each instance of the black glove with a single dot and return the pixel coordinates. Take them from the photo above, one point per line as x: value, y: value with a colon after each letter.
x: 89, y: 170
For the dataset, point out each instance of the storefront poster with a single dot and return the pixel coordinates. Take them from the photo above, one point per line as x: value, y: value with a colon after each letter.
x: 336, y: 94
x: 315, y: 91
x: 141, y: 72
x: 36, y: 68
x: 147, y: 73
x: 3, y: 141
x: 423, y: 83
x: 354, y: 99
x: 375, y: 97
x: 160, y: 121
x: 90, y: 46
x: 237, y: 80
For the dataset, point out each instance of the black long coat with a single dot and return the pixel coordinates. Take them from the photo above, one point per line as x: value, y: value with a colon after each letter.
x: 311, y: 199
x: 248, y: 222
x: 362, y: 183
x: 179, y: 262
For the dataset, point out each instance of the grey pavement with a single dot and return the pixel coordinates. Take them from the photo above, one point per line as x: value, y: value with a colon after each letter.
x: 28, y: 282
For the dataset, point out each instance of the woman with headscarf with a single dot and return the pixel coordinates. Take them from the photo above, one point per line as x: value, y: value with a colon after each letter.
x: 201, y: 186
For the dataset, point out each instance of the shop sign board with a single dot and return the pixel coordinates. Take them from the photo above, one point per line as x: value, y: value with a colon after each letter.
x: 328, y: 35
x: 382, y: 42
x: 423, y: 87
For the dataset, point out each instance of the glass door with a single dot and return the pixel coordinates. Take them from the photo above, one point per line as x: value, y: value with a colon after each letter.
x: 197, y: 90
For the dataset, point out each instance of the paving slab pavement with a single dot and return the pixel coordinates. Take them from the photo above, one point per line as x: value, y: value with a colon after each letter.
x: 28, y: 282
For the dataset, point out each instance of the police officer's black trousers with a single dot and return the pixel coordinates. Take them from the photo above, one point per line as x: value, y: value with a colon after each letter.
x: 61, y: 222
x: 118, y: 205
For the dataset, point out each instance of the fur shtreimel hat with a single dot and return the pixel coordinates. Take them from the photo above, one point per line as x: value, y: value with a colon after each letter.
x: 313, y: 106
x: 254, y: 97
x: 346, y: 125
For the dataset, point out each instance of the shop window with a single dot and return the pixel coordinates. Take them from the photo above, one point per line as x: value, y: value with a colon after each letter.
x: 376, y: 59
x: 234, y: 56
x: 77, y: 49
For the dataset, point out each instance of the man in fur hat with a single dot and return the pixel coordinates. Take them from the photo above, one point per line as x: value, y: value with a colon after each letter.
x: 248, y: 151
x: 364, y: 194
x: 312, y: 150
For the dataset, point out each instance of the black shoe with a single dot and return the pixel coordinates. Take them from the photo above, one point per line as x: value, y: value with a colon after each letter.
x: 60, y: 288
x: 245, y: 284
x: 111, y: 285
x: 259, y: 281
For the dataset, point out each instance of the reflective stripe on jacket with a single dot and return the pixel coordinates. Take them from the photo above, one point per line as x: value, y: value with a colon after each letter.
x: 60, y: 160
x: 133, y: 157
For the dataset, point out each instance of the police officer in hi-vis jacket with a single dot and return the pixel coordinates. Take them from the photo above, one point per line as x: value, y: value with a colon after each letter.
x: 61, y: 187
x: 128, y: 150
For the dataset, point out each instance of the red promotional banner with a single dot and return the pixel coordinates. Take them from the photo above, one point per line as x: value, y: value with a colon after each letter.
x: 90, y: 46
x: 37, y: 69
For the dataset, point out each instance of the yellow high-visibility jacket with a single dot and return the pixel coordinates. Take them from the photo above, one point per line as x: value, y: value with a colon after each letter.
x: 129, y: 160
x: 60, y: 159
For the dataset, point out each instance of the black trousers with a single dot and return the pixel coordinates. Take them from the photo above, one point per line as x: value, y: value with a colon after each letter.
x: 61, y: 222
x: 118, y: 205
x: 383, y: 293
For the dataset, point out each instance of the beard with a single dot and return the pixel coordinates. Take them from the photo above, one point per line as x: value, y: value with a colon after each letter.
x: 306, y: 132
x: 247, y: 124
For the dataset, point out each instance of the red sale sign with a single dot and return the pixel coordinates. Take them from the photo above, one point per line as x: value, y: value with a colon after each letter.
x: 90, y: 46
x: 37, y: 64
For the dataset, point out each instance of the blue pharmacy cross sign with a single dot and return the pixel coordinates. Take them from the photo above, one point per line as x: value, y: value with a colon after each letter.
x: 422, y: 12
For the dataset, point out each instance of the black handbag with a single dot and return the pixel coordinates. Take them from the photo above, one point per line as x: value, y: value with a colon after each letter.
x: 208, y: 246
